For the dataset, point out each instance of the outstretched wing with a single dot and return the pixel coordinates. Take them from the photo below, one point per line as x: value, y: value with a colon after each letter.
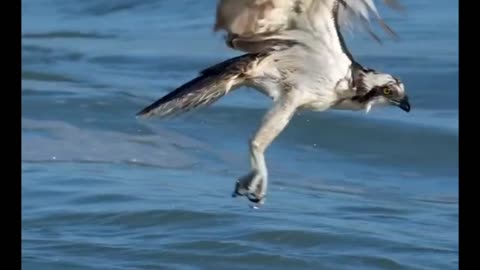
x: 260, y: 19
x: 209, y: 86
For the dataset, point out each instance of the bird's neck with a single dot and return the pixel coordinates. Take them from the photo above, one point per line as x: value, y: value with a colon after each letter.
x: 357, y: 79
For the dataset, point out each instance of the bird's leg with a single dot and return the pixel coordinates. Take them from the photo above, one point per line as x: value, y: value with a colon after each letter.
x: 254, y: 184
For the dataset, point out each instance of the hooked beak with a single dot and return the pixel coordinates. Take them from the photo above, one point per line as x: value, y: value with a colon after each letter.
x: 403, y: 103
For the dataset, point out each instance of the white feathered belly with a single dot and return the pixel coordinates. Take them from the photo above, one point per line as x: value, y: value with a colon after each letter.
x: 268, y: 86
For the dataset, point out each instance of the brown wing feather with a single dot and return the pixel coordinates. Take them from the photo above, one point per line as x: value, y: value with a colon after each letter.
x: 260, y: 18
x: 212, y: 84
x: 252, y: 17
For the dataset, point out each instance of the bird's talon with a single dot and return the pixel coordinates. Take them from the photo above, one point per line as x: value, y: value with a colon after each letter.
x: 250, y: 186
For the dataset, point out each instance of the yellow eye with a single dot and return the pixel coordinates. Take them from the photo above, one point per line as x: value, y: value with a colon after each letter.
x: 387, y: 91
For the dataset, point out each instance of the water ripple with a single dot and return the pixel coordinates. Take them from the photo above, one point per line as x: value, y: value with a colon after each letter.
x: 66, y: 34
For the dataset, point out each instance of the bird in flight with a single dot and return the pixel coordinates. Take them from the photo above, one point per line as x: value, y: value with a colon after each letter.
x: 293, y: 51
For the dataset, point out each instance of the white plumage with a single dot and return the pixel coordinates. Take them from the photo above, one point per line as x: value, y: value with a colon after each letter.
x: 294, y: 53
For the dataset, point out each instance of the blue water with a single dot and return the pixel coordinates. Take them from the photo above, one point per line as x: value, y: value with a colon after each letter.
x: 104, y: 190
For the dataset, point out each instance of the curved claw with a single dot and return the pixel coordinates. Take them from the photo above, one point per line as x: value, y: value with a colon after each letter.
x: 252, y: 186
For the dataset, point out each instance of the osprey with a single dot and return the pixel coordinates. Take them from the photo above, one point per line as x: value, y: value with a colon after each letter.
x: 294, y: 53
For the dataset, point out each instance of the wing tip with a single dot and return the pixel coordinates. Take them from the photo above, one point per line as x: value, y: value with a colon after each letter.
x: 143, y: 114
x: 146, y: 112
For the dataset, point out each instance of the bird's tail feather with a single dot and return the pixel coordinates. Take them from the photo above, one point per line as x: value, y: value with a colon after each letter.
x: 212, y: 84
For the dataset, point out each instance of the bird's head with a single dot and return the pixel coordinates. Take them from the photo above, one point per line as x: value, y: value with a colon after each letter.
x: 382, y: 89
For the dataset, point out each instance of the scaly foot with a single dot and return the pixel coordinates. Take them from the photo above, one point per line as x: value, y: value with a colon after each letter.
x: 253, y: 186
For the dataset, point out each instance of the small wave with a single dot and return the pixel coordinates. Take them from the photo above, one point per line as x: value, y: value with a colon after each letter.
x: 103, y: 198
x: 295, y: 238
x: 374, y: 210
x: 44, y: 76
x: 102, y: 8
x: 67, y: 34
x: 440, y: 200
x: 369, y: 262
x: 130, y: 219
x: 35, y: 55
x: 69, y: 143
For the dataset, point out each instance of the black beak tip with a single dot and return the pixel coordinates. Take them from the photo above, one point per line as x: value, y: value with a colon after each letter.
x: 405, y: 107
x: 404, y: 104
